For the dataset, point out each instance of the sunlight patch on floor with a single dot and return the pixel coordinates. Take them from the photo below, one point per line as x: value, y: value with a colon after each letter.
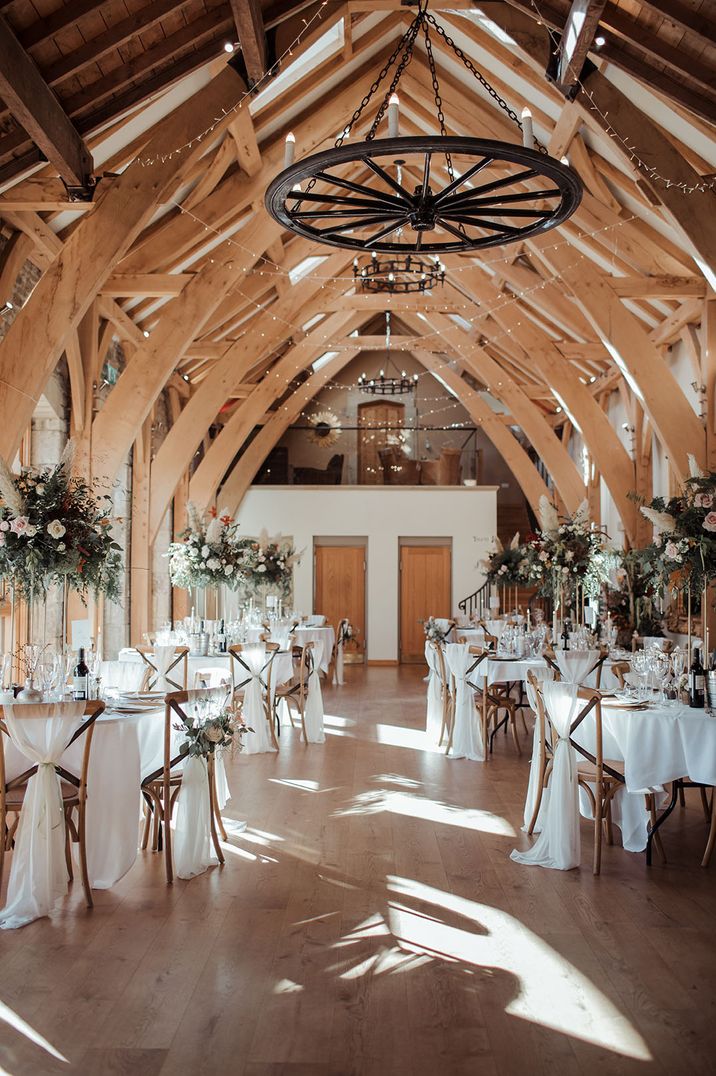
x: 287, y: 986
x: 548, y: 989
x: 294, y: 782
x: 399, y: 736
x: 338, y: 722
x: 410, y: 805
x: 16, y: 1022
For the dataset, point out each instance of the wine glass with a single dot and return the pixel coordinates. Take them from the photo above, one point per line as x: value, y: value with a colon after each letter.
x: 640, y: 668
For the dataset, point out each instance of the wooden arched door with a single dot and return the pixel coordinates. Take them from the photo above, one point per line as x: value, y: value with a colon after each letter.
x: 376, y: 421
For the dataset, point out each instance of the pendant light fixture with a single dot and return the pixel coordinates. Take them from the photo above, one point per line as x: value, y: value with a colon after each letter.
x: 398, y: 274
x: 427, y: 194
x: 387, y: 384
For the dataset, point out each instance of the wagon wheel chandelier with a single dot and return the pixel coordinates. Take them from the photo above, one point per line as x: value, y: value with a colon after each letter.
x: 428, y: 194
x: 400, y: 274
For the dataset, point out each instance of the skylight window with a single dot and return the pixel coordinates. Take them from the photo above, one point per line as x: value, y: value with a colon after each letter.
x: 304, y: 268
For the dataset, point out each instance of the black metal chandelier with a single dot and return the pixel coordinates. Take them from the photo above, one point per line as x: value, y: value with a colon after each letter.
x: 423, y: 194
x: 387, y: 384
x: 399, y: 275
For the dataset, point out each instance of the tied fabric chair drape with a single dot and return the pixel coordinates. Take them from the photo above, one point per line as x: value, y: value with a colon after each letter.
x: 495, y: 628
x: 467, y: 739
x: 124, y: 675
x: 253, y: 662
x: 434, y: 717
x: 535, y: 779
x: 164, y: 654
x: 313, y: 711
x: 338, y: 673
x: 575, y: 665
x: 38, y: 876
x: 558, y: 845
x: 193, y: 847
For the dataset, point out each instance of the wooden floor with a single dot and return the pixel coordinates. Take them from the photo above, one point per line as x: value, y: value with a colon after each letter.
x: 370, y: 921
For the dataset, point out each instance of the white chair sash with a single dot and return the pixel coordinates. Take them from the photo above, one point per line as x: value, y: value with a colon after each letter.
x: 164, y: 654
x: 38, y: 876
x: 193, y: 847
x: 467, y: 739
x: 338, y: 676
x: 558, y: 845
x: 124, y: 675
x: 258, y: 741
x: 313, y: 709
x: 535, y: 777
x: 434, y: 717
x: 575, y: 665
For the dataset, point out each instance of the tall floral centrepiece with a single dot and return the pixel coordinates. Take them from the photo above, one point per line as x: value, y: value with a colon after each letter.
x: 510, y: 566
x: 208, y: 553
x: 568, y: 553
x: 683, y: 553
x: 54, y: 528
x: 267, y: 564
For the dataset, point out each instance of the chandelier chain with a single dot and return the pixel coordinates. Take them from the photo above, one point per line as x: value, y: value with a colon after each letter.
x: 438, y: 98
x: 462, y: 56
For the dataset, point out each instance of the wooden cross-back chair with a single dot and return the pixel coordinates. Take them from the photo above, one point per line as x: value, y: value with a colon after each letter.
x: 242, y: 675
x: 600, y: 778
x: 73, y: 790
x: 181, y: 655
x: 479, y: 694
x: 161, y: 787
x: 551, y: 659
x: 295, y: 692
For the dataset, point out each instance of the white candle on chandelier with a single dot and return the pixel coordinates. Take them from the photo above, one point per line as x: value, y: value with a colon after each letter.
x: 527, y: 132
x: 289, y: 151
x: 393, y: 116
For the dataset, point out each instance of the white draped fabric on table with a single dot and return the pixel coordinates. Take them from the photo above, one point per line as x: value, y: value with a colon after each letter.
x: 38, y: 877
x: 123, y: 675
x: 323, y: 639
x: 467, y: 740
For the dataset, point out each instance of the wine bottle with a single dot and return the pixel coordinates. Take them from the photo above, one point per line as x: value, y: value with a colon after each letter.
x: 696, y: 681
x: 565, y: 636
x: 80, y: 679
x: 221, y: 638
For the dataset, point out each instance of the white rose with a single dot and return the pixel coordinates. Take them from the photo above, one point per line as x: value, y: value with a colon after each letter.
x: 30, y: 530
x: 4, y: 526
x: 61, y: 546
x: 228, y: 569
x: 55, y: 529
x: 205, y: 551
x: 261, y: 568
x: 212, y: 564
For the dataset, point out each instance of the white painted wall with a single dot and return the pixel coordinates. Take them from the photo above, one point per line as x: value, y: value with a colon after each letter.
x: 382, y: 514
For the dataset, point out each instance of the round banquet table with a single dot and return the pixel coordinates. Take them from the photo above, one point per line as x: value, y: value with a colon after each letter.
x: 125, y: 749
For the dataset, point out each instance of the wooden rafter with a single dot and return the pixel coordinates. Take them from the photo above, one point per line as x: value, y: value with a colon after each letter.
x: 40, y: 114
x: 580, y: 29
x: 252, y: 36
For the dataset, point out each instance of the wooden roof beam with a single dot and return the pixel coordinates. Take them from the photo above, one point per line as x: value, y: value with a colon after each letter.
x: 252, y: 35
x: 577, y: 39
x: 38, y: 111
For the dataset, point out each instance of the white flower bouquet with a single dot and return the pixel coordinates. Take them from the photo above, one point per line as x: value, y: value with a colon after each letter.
x: 209, y: 552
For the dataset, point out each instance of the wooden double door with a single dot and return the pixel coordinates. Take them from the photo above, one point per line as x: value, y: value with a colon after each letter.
x: 339, y: 590
x: 425, y: 590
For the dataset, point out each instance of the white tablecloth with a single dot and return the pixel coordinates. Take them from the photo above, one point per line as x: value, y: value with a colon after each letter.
x: 323, y: 640
x: 657, y: 745
x: 125, y: 749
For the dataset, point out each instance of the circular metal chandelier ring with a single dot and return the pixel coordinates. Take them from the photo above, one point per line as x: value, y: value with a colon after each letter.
x: 388, y: 213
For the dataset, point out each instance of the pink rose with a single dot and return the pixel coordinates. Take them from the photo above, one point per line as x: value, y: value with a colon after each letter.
x: 672, y: 551
x: 19, y: 524
x: 703, y: 500
x: 710, y: 522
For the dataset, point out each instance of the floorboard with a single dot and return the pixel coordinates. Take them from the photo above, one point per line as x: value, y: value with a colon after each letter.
x: 369, y: 922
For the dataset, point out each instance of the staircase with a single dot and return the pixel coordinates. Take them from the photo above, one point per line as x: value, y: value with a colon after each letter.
x: 510, y: 519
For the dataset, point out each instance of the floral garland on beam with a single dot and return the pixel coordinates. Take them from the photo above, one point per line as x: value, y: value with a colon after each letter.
x: 208, y: 553
x: 55, y: 529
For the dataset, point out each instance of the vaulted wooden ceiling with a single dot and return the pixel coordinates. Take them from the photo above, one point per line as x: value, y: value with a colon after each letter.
x: 241, y: 324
